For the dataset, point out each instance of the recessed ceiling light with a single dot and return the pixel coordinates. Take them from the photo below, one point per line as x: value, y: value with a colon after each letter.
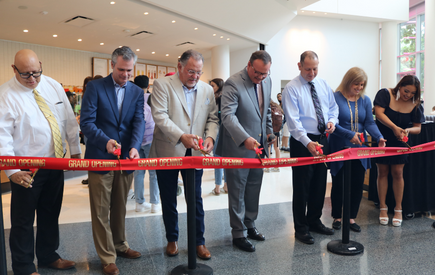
x: 326, y: 13
x: 54, y: 35
x: 153, y: 52
x: 222, y: 37
x: 173, y: 21
x: 146, y: 13
x: 112, y: 3
x: 80, y: 40
x: 228, y: 39
x: 137, y: 50
x: 167, y: 54
x: 214, y: 34
x: 101, y: 44
x: 179, y: 56
x: 196, y: 29
x: 303, y: 11
x: 314, y: 12
x: 120, y: 47
x: 25, y: 30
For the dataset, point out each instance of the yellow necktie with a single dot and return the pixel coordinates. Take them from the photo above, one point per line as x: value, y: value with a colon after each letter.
x: 57, y: 137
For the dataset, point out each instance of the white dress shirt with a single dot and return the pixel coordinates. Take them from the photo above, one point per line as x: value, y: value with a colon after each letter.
x: 191, y: 101
x: 299, y: 107
x: 24, y: 130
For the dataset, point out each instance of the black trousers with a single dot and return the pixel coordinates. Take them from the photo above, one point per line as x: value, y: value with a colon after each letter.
x: 167, y: 180
x: 356, y: 188
x: 45, y: 197
x: 309, y: 186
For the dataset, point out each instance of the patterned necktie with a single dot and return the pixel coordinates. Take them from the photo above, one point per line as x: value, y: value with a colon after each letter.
x: 321, y: 126
x: 57, y: 138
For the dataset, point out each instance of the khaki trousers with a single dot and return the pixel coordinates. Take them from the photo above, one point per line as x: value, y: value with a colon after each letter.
x: 108, y: 198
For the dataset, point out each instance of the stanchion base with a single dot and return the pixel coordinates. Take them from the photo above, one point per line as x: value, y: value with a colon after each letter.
x: 350, y: 249
x: 201, y: 269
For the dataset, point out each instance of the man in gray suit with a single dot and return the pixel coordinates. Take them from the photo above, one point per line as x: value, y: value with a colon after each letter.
x: 246, y: 123
x: 183, y: 108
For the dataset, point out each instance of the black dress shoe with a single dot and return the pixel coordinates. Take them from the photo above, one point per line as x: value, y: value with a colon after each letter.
x: 336, y: 225
x: 304, y: 237
x: 254, y: 234
x: 354, y: 227
x: 322, y: 229
x: 244, y: 244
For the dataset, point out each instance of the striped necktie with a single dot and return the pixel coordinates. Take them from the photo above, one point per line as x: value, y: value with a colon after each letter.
x: 57, y: 138
x: 319, y: 114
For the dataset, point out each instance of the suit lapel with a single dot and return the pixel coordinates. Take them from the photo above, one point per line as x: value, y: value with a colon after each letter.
x: 265, y: 95
x: 111, y: 95
x: 127, y: 100
x: 251, y: 91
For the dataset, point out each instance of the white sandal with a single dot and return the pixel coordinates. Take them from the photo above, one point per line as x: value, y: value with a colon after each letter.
x: 397, y: 222
x: 384, y: 220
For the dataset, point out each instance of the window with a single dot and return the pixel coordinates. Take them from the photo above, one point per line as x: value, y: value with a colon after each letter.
x: 411, y: 49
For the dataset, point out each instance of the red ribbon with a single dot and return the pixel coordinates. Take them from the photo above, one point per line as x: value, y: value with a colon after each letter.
x: 202, y: 162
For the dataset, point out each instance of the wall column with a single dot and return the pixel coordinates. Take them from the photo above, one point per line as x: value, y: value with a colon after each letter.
x: 220, y: 62
x: 389, y: 54
x: 429, y: 57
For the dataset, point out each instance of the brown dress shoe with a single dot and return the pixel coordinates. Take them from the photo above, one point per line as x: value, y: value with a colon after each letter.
x: 172, y: 249
x: 203, y: 252
x: 61, y: 264
x: 129, y: 254
x: 110, y: 269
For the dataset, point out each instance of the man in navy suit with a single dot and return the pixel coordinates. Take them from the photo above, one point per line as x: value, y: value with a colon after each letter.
x: 111, y: 116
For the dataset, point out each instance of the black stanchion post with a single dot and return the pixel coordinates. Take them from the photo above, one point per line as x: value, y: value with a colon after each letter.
x: 192, y: 268
x: 3, y: 269
x: 346, y: 246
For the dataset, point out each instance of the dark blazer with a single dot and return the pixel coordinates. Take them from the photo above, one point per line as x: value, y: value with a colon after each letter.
x: 100, y: 120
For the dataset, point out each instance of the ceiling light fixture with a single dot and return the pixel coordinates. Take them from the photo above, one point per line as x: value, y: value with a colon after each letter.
x: 54, y: 35
x: 101, y: 44
x: 167, y: 54
x: 326, y: 13
x: 303, y: 11
x: 222, y: 37
x: 228, y: 39
x: 173, y: 21
x: 146, y: 13
x: 196, y: 29
x: 25, y: 30
x: 112, y: 3
x: 80, y: 40
x: 138, y: 50
x: 314, y: 12
x: 214, y: 34
x: 153, y: 52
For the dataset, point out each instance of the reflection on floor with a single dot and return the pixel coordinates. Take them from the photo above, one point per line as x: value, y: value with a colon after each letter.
x: 388, y: 250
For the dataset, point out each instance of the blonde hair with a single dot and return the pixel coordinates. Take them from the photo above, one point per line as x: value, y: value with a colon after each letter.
x: 352, y: 76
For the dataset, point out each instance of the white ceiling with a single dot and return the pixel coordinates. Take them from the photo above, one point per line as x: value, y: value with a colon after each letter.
x: 248, y: 23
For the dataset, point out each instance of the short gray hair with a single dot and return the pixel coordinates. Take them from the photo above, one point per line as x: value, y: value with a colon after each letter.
x: 126, y: 53
x: 263, y: 55
x: 188, y: 54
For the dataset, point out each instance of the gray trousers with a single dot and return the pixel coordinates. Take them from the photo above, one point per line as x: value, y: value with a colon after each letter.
x: 244, y: 187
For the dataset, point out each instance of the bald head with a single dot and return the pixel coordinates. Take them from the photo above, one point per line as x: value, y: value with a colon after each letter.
x: 26, y: 61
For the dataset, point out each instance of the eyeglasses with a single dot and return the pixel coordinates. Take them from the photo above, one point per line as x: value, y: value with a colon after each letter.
x: 28, y: 75
x: 192, y: 72
x: 259, y: 73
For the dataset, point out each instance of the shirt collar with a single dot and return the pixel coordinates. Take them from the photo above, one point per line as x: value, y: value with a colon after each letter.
x: 303, y: 81
x: 117, y: 85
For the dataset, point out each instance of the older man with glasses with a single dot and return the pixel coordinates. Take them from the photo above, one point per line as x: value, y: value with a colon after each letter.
x: 246, y: 125
x: 35, y: 120
x: 183, y: 109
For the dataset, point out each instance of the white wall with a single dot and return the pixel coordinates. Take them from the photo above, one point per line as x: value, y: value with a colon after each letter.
x: 69, y: 67
x: 239, y: 59
x: 340, y: 45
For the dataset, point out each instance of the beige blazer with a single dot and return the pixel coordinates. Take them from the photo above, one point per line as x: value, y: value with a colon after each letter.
x: 171, y: 115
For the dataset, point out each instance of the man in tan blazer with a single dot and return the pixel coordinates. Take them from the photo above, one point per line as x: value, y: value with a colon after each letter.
x: 183, y: 107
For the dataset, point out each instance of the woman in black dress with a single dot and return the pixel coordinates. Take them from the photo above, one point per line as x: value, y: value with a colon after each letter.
x: 398, y: 114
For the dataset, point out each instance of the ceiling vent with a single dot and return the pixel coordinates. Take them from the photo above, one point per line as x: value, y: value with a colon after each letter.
x: 141, y: 35
x: 185, y: 44
x: 79, y: 21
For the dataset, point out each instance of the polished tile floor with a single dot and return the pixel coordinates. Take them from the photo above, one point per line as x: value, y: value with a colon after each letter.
x: 388, y: 250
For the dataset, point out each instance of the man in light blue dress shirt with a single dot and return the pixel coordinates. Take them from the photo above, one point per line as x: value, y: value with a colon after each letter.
x: 308, y: 129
